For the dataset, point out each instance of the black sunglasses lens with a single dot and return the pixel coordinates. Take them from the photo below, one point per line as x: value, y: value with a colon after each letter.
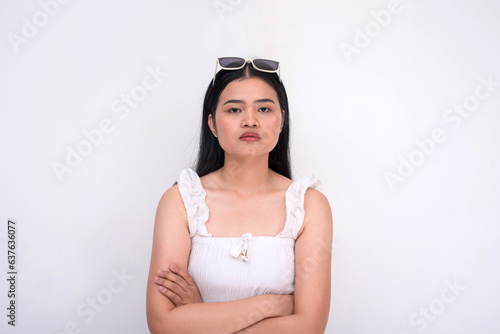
x: 266, y: 64
x: 231, y: 62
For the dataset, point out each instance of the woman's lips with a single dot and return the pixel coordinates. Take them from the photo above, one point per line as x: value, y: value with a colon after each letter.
x: 249, y: 136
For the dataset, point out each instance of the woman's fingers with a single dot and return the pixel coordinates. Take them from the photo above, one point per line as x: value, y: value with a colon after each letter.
x: 181, y: 284
x: 192, y: 292
x: 170, y: 285
x: 174, y: 278
x: 174, y: 298
x: 170, y: 290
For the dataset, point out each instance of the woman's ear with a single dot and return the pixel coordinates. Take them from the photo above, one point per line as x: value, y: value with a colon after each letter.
x: 211, y: 125
x: 282, y: 119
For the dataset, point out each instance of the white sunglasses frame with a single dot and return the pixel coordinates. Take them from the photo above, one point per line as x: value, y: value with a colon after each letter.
x: 278, y: 70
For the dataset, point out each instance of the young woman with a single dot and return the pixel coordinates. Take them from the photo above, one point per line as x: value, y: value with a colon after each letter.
x: 238, y: 246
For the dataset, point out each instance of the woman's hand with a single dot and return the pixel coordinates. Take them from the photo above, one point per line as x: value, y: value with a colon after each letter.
x: 178, y: 286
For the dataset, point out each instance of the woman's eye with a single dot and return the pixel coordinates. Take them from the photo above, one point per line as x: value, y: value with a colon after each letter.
x: 264, y: 109
x: 234, y: 110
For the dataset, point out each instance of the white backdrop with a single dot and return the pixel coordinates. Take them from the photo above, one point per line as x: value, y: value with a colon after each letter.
x: 394, y: 106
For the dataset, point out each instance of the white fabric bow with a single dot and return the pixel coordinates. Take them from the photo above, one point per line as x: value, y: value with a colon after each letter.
x: 241, y: 248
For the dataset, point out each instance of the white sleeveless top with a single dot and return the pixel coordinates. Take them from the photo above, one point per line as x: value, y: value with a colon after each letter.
x: 231, y: 268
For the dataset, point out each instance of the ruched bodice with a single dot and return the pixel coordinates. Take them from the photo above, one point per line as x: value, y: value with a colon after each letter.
x: 231, y: 268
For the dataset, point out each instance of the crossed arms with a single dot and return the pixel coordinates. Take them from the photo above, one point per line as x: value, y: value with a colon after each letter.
x: 173, y: 303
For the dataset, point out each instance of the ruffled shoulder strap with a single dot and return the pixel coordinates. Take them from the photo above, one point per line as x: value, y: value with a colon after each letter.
x: 193, y: 195
x: 295, y: 205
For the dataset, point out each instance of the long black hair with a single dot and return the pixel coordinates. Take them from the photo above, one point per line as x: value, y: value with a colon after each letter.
x: 211, y: 154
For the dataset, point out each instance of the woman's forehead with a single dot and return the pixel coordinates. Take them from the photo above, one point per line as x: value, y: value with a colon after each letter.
x: 248, y: 89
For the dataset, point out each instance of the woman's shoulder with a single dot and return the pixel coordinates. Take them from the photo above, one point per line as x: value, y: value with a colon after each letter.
x: 317, y: 210
x: 171, y: 197
x: 315, y: 199
x: 170, y: 212
x: 304, y: 186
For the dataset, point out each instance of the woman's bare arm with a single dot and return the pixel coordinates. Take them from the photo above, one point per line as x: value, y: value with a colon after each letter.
x: 312, y: 273
x: 171, y: 246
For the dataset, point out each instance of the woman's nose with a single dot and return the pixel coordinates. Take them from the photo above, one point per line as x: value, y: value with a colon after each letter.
x: 249, y: 119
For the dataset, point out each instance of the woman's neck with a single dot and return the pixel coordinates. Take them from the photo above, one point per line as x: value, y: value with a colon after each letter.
x: 245, y: 175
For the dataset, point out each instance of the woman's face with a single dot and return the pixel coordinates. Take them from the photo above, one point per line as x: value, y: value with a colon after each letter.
x: 248, y: 118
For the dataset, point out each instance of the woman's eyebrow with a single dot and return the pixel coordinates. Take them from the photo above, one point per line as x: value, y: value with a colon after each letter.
x: 243, y: 102
x: 234, y: 101
x: 264, y: 100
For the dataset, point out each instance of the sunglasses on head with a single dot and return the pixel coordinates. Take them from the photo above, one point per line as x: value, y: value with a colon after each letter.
x: 236, y: 63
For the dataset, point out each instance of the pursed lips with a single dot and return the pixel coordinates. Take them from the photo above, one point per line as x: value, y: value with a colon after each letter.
x: 249, y: 136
